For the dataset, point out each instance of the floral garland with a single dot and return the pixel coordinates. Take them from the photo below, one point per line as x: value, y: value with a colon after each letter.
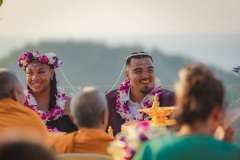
x: 54, y: 113
x: 49, y: 58
x: 122, y: 106
x: 126, y: 144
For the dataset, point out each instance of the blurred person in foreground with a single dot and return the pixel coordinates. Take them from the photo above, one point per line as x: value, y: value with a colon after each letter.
x: 90, y: 114
x: 136, y: 92
x: 199, y: 98
x: 24, y: 151
x: 17, y: 122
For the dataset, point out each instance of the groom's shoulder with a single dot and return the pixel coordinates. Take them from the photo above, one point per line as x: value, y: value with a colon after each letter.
x: 111, y: 94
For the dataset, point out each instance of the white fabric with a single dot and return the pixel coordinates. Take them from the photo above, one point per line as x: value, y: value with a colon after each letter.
x: 133, y: 106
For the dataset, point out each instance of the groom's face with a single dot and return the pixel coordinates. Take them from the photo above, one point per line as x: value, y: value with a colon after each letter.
x: 141, y: 74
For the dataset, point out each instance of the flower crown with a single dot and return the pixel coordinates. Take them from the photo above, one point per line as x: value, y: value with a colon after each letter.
x: 236, y: 69
x: 49, y: 58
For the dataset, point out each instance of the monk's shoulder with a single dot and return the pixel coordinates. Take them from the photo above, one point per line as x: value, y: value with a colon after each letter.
x: 63, y: 138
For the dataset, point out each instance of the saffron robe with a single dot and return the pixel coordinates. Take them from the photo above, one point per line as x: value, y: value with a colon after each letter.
x: 86, y: 140
x: 18, y: 118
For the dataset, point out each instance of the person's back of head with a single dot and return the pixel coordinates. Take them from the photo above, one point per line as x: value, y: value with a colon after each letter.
x: 198, y: 93
x: 10, y: 86
x: 89, y: 109
x: 24, y: 151
x: 199, y: 111
x: 16, y: 121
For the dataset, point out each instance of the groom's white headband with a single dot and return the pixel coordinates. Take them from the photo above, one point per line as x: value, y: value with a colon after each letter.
x: 138, y: 54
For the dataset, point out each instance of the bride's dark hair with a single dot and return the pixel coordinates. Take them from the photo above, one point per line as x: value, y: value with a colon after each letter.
x: 53, y: 92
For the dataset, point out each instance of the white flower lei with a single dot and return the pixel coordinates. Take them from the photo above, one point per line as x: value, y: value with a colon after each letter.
x: 122, y: 106
x: 55, y: 112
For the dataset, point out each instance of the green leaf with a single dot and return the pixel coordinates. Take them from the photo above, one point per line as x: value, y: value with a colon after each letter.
x: 1, y: 1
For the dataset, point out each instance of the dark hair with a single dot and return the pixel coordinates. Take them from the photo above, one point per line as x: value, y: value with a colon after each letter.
x: 128, y: 60
x: 197, y: 94
x: 53, y: 91
x: 24, y: 151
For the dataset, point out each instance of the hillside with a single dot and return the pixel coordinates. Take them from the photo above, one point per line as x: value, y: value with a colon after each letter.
x: 96, y: 64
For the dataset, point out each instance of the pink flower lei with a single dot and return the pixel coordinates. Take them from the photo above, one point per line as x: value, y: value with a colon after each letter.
x: 122, y: 106
x: 54, y: 113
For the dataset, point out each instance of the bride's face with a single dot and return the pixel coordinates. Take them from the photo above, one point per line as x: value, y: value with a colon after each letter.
x: 38, y: 76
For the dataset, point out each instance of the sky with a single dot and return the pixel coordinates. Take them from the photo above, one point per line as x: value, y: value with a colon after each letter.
x: 175, y: 26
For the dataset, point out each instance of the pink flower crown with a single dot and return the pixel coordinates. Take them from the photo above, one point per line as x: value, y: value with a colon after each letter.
x: 49, y: 58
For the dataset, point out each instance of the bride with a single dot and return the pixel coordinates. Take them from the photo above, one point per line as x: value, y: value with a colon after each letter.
x: 47, y: 99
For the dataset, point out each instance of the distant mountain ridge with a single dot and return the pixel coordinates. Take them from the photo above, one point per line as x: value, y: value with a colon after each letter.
x: 95, y: 64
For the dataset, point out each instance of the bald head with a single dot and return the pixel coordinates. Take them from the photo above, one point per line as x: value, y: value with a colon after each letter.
x: 89, y: 109
x: 10, y: 86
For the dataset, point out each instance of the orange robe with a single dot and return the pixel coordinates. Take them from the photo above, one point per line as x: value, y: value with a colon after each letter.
x: 20, y: 119
x: 87, y: 140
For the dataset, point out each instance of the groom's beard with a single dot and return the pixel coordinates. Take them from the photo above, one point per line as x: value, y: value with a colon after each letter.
x: 145, y: 90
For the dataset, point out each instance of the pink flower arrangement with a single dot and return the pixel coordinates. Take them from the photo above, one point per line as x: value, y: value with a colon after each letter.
x: 126, y: 144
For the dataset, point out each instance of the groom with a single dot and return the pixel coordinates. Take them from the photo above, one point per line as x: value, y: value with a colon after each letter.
x: 136, y: 92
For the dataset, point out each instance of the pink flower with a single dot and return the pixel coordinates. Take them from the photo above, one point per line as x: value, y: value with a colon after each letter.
x: 43, y: 59
x: 43, y: 117
x: 126, y: 144
x: 50, y: 129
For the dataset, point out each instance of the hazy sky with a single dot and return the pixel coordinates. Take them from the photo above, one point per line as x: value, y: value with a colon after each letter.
x: 33, y: 20
x: 76, y: 18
